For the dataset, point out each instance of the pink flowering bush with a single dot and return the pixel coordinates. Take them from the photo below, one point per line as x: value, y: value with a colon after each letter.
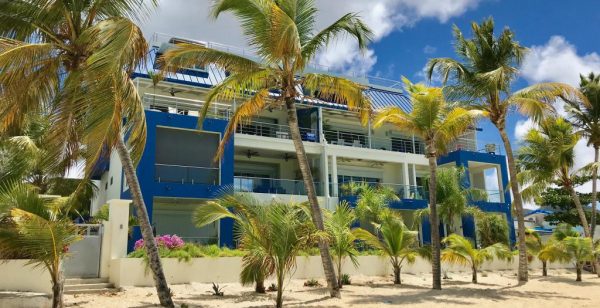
x: 166, y: 241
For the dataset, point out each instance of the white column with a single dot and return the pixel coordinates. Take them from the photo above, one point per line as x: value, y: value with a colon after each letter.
x: 406, y: 179
x: 334, y: 176
x: 114, y: 238
x: 500, y: 184
x: 414, y: 171
x: 369, y: 134
x: 321, y: 133
x: 325, y: 173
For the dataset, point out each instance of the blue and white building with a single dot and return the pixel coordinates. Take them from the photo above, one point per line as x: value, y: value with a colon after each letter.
x: 177, y: 173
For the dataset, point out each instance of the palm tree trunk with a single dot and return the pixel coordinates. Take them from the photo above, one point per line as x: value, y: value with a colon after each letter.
x: 339, y: 272
x: 594, y: 192
x: 474, y: 279
x: 397, y: 279
x: 309, y: 185
x: 544, y: 268
x: 57, y: 290
x: 579, y: 265
x: 259, y: 286
x: 594, y: 199
x: 517, y: 205
x: 579, y: 207
x: 436, y: 268
x: 162, y: 288
x: 279, y: 300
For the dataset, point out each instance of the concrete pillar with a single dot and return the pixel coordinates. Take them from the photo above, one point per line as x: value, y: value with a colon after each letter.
x: 114, y: 238
x: 406, y: 179
x: 500, y: 186
x: 414, y: 174
x: 334, y: 175
x: 325, y: 173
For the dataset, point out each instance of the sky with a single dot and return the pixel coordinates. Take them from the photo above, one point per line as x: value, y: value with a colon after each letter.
x: 562, y: 37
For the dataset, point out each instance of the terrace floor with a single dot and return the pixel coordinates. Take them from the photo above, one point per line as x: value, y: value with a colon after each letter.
x: 495, y: 289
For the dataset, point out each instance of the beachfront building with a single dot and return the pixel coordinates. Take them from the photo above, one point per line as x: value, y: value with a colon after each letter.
x: 177, y: 172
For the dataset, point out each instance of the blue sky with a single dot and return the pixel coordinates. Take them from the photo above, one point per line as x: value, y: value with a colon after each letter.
x: 562, y: 37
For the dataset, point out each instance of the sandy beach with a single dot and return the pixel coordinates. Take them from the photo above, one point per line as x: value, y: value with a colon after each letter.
x: 495, y: 289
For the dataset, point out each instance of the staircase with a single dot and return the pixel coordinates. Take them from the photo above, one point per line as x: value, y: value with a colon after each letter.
x: 88, y: 286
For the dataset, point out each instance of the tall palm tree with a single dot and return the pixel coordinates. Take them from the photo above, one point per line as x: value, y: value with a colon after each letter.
x: 73, y: 60
x: 342, y: 239
x: 37, y: 229
x: 438, y: 123
x: 483, y: 76
x: 283, y: 35
x: 547, y: 156
x: 460, y: 250
x: 396, y: 241
x: 585, y: 115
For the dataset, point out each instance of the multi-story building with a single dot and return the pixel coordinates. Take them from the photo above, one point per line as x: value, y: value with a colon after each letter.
x: 177, y: 172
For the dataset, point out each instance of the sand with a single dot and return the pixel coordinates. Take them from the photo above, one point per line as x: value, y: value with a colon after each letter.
x: 495, y: 289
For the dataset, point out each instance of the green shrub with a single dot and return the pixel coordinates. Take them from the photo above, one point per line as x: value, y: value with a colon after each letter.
x: 346, y: 279
x: 189, y: 251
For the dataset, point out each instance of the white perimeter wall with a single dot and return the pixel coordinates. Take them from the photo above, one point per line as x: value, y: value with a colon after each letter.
x: 17, y: 275
x: 132, y: 271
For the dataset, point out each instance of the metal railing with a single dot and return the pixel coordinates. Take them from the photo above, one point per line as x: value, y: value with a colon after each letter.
x: 493, y: 196
x: 186, y: 174
x: 402, y: 191
x: 272, y: 130
x: 90, y: 229
x: 184, y: 106
x: 272, y: 186
x: 362, y: 140
x: 470, y: 144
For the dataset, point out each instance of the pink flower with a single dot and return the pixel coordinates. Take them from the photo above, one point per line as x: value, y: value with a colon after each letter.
x: 167, y: 241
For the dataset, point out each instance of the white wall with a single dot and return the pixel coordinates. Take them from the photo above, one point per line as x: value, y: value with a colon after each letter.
x: 17, y: 275
x: 132, y: 272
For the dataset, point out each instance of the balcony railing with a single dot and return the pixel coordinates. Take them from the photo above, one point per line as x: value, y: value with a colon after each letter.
x: 186, y: 174
x: 272, y: 130
x: 362, y: 140
x: 492, y: 196
x: 402, y: 191
x: 271, y: 186
x: 185, y: 106
x: 470, y: 144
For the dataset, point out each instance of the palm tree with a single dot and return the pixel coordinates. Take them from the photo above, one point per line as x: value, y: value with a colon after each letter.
x: 585, y: 115
x: 37, y: 229
x: 245, y: 211
x: 396, y: 241
x: 460, y: 250
x: 438, y: 123
x: 547, y: 156
x: 342, y: 239
x: 535, y: 246
x: 483, y: 76
x: 452, y: 198
x: 372, y: 204
x: 73, y: 61
x: 571, y: 248
x: 282, y: 33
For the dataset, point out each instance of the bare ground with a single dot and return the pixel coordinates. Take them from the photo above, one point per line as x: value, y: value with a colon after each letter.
x: 495, y: 289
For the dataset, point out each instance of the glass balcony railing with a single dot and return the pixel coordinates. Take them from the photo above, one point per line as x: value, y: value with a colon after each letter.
x: 272, y: 186
x: 362, y: 140
x: 186, y: 174
x: 272, y: 130
x: 401, y: 190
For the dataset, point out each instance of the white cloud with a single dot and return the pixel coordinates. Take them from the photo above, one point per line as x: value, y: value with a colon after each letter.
x: 522, y: 127
x: 428, y: 49
x: 558, y: 60
x: 189, y: 18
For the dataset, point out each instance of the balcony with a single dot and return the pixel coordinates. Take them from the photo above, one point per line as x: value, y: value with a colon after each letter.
x: 272, y: 130
x: 164, y: 173
x: 272, y: 186
x: 362, y: 140
x: 402, y: 191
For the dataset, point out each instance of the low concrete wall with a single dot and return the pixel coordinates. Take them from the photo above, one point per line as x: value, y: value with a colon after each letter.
x: 133, y: 272
x: 17, y: 275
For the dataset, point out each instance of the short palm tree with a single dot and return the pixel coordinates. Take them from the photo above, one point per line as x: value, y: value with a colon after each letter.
x: 535, y: 245
x: 341, y: 238
x: 483, y: 76
x: 73, y: 60
x: 283, y: 35
x: 396, y: 241
x: 438, y: 123
x: 245, y: 211
x: 37, y: 229
x: 460, y: 250
x: 585, y: 116
x: 372, y: 203
x: 571, y: 248
x: 452, y: 198
x: 547, y: 156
